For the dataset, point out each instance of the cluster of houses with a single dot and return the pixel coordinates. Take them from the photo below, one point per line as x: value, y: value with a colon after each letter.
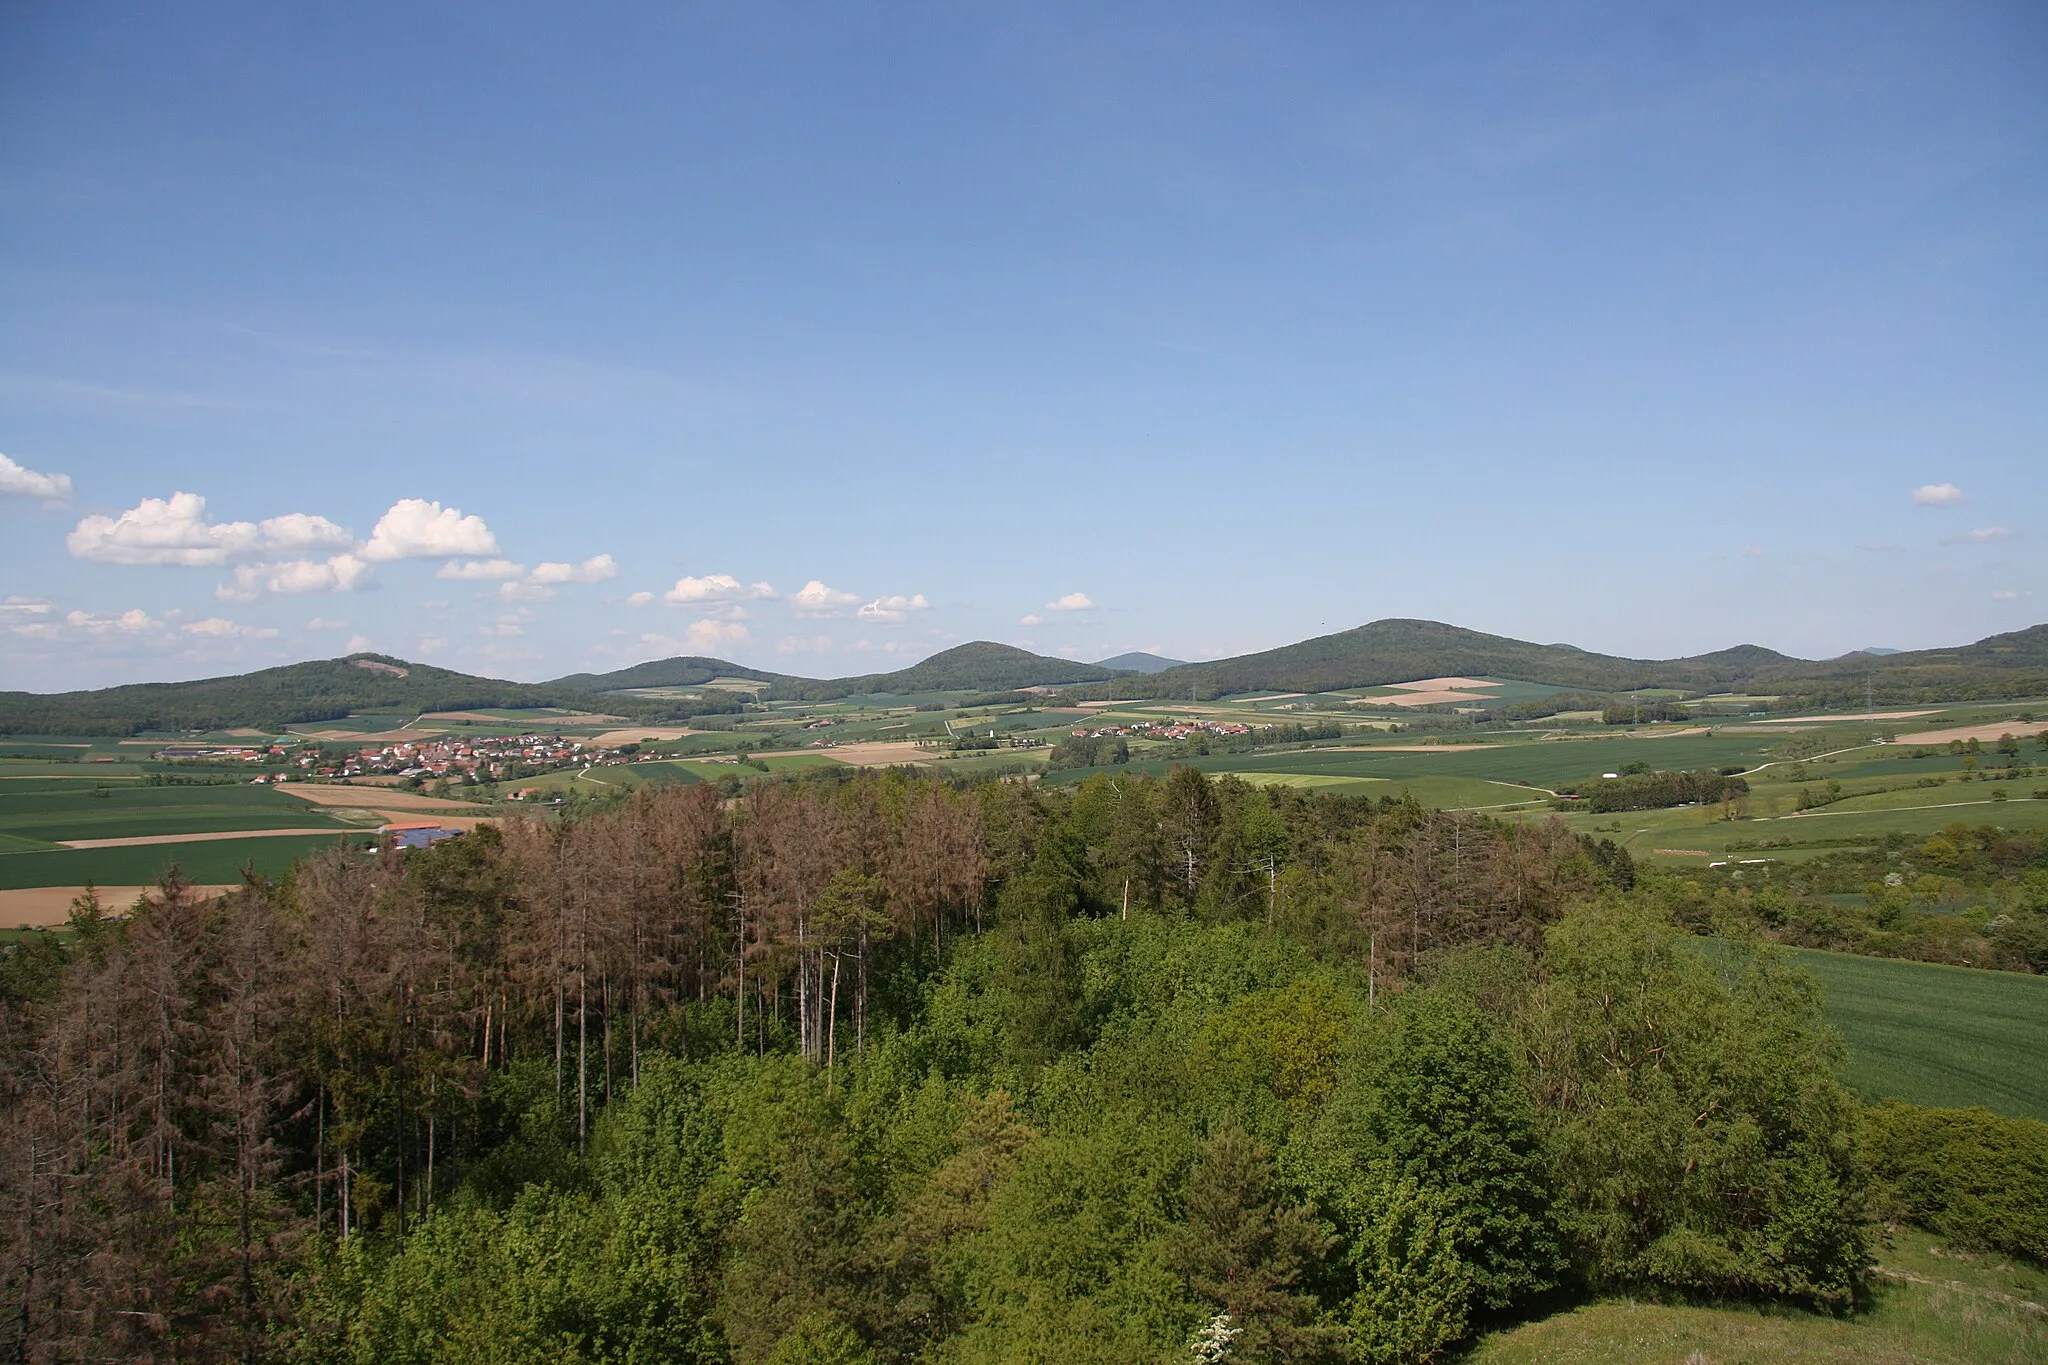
x: 1165, y: 729
x: 480, y: 760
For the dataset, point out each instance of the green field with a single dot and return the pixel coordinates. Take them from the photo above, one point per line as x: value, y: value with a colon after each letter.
x: 215, y: 861
x: 131, y: 811
x: 1935, y: 1035
x: 1701, y: 829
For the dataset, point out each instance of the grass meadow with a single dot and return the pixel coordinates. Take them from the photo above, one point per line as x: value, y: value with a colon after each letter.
x: 1936, y: 1035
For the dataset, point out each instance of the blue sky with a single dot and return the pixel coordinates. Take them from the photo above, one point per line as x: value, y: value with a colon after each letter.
x: 528, y: 339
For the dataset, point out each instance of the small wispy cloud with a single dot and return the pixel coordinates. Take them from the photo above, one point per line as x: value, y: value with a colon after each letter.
x: 714, y: 587
x: 1937, y: 495
x: 895, y: 607
x: 596, y: 569
x: 1982, y: 535
x: 1073, y: 601
x: 816, y: 599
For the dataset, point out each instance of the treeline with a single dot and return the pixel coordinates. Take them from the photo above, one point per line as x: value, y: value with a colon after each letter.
x: 1088, y: 751
x: 1652, y: 791
x: 300, y: 694
x: 1634, y: 711
x: 880, y: 1069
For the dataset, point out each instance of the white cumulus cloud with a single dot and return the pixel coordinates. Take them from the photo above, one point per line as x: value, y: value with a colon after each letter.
x: 170, y: 530
x: 175, y: 530
x: 1033, y: 619
x: 300, y: 531
x: 19, y: 481
x: 132, y: 622
x: 715, y: 587
x: 17, y: 605
x: 816, y: 599
x: 893, y: 608
x: 705, y: 636
x: 1073, y: 601
x: 526, y: 592
x: 337, y: 573
x: 596, y: 569
x: 221, y: 628
x: 479, y: 570
x: 1937, y: 494
x: 639, y: 599
x: 415, y: 528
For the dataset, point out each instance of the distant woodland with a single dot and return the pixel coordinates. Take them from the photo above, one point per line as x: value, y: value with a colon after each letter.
x: 299, y: 694
x: 879, y: 1069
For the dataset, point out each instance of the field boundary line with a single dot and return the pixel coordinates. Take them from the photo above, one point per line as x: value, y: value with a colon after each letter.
x: 214, y: 836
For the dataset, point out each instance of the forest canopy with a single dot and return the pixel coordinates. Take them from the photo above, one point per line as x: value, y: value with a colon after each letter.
x: 885, y: 1069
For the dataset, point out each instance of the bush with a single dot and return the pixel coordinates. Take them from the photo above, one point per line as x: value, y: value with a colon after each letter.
x: 1979, y: 1179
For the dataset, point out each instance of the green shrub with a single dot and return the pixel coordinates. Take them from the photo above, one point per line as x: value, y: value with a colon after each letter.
x: 1979, y: 1179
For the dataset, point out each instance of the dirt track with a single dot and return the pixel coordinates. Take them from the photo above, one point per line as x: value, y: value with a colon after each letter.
x: 137, y: 841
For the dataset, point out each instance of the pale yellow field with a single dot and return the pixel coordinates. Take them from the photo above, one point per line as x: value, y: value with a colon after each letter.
x: 338, y: 794
x: 611, y: 739
x: 878, y: 753
x: 1983, y: 734
x: 44, y: 906
x: 1444, y: 685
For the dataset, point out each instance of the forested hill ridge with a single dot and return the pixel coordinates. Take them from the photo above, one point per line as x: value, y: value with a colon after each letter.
x: 1138, y: 661
x: 686, y: 670
x: 1380, y: 653
x: 296, y: 694
x: 1399, y: 650
x: 980, y: 665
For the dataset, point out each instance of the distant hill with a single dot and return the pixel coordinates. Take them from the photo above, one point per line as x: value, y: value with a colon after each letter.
x: 1138, y: 661
x: 296, y: 694
x: 687, y: 670
x: 980, y: 666
x: 1395, y: 651
x: 2014, y: 664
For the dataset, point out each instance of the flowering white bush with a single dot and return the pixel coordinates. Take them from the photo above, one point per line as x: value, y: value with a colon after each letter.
x: 1211, y: 1345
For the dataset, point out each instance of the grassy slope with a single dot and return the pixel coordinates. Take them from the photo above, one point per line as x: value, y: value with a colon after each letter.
x: 1927, y: 1307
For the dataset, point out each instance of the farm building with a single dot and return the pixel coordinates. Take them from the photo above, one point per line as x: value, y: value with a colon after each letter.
x: 418, y: 835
